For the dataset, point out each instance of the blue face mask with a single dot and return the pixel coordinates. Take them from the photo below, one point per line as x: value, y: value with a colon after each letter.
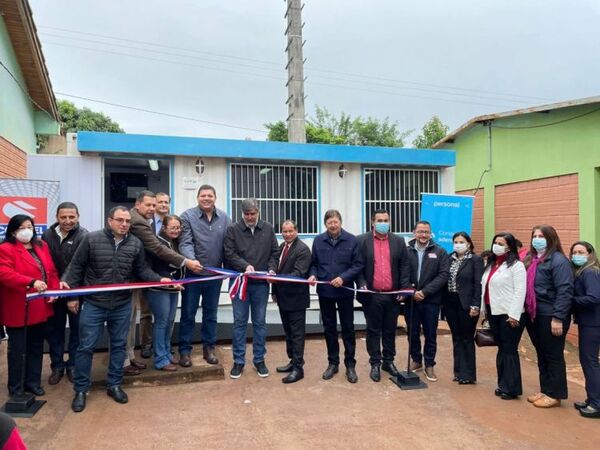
x: 579, y: 260
x: 539, y: 243
x: 382, y: 227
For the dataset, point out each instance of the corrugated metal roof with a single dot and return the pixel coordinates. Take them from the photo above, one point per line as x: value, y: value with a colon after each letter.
x: 517, y: 112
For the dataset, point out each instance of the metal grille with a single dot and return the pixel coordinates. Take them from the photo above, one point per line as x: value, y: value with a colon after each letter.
x: 398, y: 191
x: 284, y: 192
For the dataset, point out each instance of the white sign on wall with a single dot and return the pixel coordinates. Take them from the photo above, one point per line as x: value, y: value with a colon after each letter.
x: 190, y: 183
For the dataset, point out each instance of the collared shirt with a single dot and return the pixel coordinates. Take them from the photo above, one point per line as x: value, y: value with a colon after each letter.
x: 382, y: 263
x: 283, y: 251
x: 59, y: 233
x: 420, y: 254
x: 158, y: 222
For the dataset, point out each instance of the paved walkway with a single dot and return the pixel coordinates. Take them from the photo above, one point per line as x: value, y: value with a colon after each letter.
x: 260, y: 413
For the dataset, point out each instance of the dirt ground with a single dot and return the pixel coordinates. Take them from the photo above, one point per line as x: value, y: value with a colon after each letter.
x: 252, y: 412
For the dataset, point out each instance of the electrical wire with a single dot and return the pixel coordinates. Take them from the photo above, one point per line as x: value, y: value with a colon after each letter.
x: 548, y: 124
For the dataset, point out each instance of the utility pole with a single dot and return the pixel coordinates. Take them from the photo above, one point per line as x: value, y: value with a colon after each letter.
x: 295, y: 68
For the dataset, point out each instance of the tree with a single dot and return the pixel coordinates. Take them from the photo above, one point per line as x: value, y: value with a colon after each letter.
x: 84, y: 119
x: 432, y: 131
x: 325, y: 128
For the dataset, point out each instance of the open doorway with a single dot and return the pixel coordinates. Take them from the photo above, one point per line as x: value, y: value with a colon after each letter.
x: 124, y: 178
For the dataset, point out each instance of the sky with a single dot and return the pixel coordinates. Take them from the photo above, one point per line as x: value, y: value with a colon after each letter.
x: 223, y: 61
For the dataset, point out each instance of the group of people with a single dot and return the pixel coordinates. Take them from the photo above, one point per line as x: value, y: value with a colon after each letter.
x: 384, y: 273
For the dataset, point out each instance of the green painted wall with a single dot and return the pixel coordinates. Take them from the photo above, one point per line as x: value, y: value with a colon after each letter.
x: 19, y: 121
x: 572, y: 146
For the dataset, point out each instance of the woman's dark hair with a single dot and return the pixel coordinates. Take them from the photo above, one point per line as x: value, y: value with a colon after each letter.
x: 552, y: 242
x: 467, y: 238
x: 13, y: 225
x: 170, y: 218
x: 592, y: 261
x: 486, y: 254
x: 511, y: 256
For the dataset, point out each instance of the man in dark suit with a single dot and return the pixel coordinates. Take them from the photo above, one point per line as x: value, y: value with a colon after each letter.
x: 386, y: 269
x: 293, y: 299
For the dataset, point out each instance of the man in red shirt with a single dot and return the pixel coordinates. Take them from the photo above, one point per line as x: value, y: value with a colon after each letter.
x: 386, y: 269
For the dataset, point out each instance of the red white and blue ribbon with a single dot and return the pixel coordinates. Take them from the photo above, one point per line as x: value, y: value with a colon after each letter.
x: 238, y: 289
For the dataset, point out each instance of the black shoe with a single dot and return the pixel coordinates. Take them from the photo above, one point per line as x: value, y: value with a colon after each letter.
x: 55, y: 376
x: 261, y: 369
x: 507, y: 396
x: 375, y: 373
x: 497, y: 392
x: 293, y: 376
x: 390, y: 368
x: 287, y: 368
x: 38, y: 391
x: 78, y: 403
x: 466, y: 382
x: 331, y: 370
x: 236, y: 370
x: 146, y: 352
x: 580, y: 405
x: 117, y: 394
x: 351, y: 375
x: 456, y: 379
x: 590, y: 412
x: 70, y: 375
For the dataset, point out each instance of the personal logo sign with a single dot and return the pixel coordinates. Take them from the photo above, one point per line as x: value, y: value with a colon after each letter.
x: 447, y: 214
x: 35, y: 207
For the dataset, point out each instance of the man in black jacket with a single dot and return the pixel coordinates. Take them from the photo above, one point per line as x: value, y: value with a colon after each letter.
x: 429, y: 271
x: 63, y: 239
x: 250, y: 245
x: 293, y: 299
x: 386, y: 269
x: 108, y: 256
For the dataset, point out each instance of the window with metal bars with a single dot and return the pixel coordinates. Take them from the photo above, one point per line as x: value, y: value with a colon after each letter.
x: 283, y: 191
x: 398, y: 191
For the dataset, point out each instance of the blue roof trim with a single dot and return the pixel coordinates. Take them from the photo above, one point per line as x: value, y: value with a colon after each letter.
x: 228, y: 148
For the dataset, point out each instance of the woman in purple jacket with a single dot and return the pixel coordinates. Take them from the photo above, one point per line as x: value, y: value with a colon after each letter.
x: 586, y: 308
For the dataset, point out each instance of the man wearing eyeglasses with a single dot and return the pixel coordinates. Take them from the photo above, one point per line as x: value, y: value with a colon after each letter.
x: 429, y: 271
x: 108, y: 256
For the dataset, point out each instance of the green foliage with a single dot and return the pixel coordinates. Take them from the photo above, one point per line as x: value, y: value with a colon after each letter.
x: 432, y: 131
x: 325, y: 128
x: 75, y: 119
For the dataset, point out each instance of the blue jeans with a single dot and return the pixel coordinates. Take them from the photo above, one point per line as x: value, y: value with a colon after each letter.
x: 163, y: 305
x: 190, y: 299
x: 424, y: 316
x: 91, y: 328
x: 256, y: 303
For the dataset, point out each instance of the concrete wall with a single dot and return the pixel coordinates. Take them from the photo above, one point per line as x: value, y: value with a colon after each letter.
x: 520, y: 153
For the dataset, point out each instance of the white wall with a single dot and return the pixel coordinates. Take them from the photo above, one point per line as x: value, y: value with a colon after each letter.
x: 80, y: 180
x: 343, y: 194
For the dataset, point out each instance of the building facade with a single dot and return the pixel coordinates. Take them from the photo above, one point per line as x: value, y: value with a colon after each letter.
x: 532, y: 166
x: 27, y: 104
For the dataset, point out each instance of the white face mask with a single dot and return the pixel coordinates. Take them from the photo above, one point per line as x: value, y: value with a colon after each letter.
x: 24, y: 236
x: 460, y: 248
x: 498, y: 250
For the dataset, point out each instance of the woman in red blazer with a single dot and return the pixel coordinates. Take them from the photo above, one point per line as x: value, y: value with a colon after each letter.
x: 25, y: 266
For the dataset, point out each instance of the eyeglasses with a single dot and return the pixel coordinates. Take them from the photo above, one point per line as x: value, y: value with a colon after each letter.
x: 173, y: 228
x: 120, y: 220
x: 422, y: 232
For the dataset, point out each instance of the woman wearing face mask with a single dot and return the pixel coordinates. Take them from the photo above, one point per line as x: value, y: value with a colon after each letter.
x: 503, y: 293
x: 163, y: 300
x: 586, y: 307
x: 461, y: 305
x: 548, y: 306
x: 25, y: 266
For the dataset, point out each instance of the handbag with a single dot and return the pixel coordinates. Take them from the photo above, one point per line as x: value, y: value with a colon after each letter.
x: 484, y: 336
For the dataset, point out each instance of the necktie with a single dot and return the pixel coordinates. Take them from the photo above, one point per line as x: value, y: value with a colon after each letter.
x: 286, y: 249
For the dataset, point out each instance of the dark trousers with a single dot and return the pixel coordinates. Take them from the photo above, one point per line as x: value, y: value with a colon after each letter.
x: 91, y: 329
x: 55, y: 335
x: 424, y: 316
x: 294, y: 325
x: 381, y: 313
x: 508, y: 364
x: 550, y: 355
x: 33, y: 361
x: 462, y: 327
x: 589, y: 347
x: 345, y: 308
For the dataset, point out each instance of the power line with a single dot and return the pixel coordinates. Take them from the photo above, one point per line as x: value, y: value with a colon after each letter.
x: 149, y: 111
x: 338, y: 86
x: 272, y: 63
x: 548, y: 124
